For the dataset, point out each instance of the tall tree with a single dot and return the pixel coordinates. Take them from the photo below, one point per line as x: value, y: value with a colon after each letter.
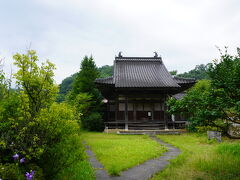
x: 85, y: 88
x: 84, y: 82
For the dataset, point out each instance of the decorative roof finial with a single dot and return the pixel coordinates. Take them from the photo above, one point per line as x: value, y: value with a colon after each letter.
x: 155, y: 54
x: 120, y: 54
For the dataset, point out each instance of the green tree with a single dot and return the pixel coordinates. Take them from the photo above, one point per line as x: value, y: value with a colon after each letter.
x: 193, y: 104
x: 65, y: 87
x: 37, y: 83
x: 83, y: 102
x: 67, y: 83
x: 105, y: 71
x: 199, y: 72
x: 225, y: 75
x: 3, y: 82
x: 84, y: 83
x: 173, y: 72
x: 215, y: 104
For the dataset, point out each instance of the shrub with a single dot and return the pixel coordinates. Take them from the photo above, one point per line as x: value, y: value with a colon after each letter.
x: 93, y: 122
x: 45, y: 133
x: 16, y: 171
x: 202, y: 129
x: 10, y: 171
x: 63, y: 144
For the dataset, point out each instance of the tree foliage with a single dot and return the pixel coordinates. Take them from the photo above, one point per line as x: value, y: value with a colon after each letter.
x: 173, y: 73
x: 32, y: 125
x: 84, y: 81
x: 84, y: 89
x: 4, y: 82
x: 225, y: 75
x: 36, y: 83
x: 214, y: 103
x: 191, y: 105
x: 199, y: 72
x: 105, y: 71
x: 67, y: 83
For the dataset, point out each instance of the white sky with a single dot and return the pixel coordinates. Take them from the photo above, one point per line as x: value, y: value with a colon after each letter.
x: 183, y: 32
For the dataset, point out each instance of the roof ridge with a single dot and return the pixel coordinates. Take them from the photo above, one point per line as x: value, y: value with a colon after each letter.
x: 119, y: 58
x: 177, y: 77
x: 105, y: 77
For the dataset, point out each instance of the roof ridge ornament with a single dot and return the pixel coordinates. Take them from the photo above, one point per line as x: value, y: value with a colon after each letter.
x: 155, y: 54
x: 120, y: 54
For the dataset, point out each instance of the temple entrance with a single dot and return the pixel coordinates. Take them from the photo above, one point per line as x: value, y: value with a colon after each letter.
x: 144, y: 112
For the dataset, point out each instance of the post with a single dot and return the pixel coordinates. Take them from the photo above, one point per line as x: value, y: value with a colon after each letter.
x: 173, y: 120
x: 165, y: 115
x: 153, y: 108
x: 116, y: 110
x: 126, y: 113
x: 134, y: 112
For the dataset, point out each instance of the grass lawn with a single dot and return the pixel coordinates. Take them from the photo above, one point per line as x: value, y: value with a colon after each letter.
x: 120, y: 152
x: 81, y: 170
x: 202, y: 159
x: 78, y: 170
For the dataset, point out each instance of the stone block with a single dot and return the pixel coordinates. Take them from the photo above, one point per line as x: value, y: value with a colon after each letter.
x: 234, y: 130
x: 215, y: 135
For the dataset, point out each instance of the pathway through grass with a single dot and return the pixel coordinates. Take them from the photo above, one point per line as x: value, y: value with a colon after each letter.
x: 120, y: 152
x: 202, y: 159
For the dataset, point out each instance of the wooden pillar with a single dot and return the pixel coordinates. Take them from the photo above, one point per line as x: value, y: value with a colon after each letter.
x: 116, y: 110
x: 165, y: 114
x: 173, y: 120
x: 153, y: 107
x: 108, y: 112
x: 126, y: 113
x: 134, y: 111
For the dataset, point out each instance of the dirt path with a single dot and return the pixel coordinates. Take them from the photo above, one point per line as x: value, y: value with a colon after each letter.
x: 141, y: 172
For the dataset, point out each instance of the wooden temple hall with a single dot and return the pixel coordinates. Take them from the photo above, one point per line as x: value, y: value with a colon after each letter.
x: 136, y: 94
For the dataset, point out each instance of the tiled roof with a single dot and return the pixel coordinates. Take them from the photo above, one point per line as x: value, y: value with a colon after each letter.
x: 142, y: 72
x: 138, y: 72
x: 108, y: 80
x: 181, y: 80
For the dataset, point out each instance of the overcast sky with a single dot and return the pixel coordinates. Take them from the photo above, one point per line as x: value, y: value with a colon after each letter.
x: 183, y: 32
